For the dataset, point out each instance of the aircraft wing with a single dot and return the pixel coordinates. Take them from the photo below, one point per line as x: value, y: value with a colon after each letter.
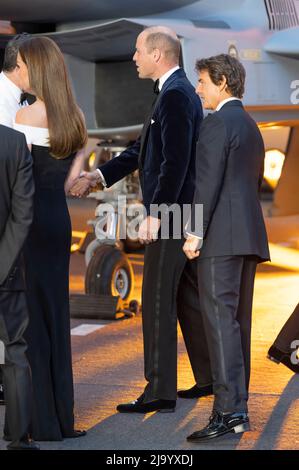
x: 110, y: 40
x: 113, y: 40
x: 285, y: 43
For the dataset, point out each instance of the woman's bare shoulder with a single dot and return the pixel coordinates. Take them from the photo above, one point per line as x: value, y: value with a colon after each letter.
x: 33, y: 115
x: 23, y: 116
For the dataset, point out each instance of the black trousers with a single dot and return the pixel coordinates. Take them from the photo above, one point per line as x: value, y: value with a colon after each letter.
x: 191, y: 323
x: 289, y: 332
x: 225, y: 286
x: 16, y: 371
x: 164, y: 262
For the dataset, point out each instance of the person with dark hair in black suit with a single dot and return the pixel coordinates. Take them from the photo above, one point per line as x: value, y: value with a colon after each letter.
x: 16, y: 209
x: 165, y: 157
x: 284, y: 349
x: 10, y: 101
x: 231, y: 240
x: 10, y: 83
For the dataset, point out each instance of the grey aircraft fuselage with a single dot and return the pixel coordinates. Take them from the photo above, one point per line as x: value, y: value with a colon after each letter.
x: 98, y: 39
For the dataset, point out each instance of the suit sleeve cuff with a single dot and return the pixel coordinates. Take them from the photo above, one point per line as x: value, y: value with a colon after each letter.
x: 193, y: 235
x: 103, y: 181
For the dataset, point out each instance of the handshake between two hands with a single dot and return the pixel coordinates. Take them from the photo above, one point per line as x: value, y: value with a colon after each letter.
x: 86, y: 183
x: 149, y: 228
x: 90, y: 181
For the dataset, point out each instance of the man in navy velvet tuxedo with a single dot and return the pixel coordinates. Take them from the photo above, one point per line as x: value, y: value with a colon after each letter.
x: 165, y: 157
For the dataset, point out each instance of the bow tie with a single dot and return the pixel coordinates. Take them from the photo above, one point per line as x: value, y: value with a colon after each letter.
x: 27, y: 98
x: 156, y: 87
x: 23, y: 98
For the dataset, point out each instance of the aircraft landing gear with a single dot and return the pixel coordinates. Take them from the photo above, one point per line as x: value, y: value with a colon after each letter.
x: 110, y: 272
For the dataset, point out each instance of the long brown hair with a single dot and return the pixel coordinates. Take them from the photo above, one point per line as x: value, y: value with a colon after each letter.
x: 49, y: 81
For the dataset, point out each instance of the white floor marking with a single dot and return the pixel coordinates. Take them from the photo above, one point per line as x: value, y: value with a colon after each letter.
x: 85, y: 329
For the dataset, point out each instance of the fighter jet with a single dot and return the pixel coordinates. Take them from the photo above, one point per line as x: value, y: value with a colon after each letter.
x: 98, y: 40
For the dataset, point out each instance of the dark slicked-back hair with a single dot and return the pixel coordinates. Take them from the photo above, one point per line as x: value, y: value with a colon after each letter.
x: 227, y: 66
x: 11, y: 51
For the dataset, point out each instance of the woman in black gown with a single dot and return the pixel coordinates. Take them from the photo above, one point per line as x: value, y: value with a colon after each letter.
x: 55, y: 131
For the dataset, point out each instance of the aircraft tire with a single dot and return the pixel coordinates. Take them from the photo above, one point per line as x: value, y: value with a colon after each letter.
x: 109, y: 272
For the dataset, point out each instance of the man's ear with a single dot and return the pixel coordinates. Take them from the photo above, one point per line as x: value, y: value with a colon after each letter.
x: 223, y: 84
x: 157, y: 55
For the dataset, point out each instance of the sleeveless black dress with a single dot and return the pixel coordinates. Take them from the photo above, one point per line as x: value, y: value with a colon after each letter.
x: 47, y: 256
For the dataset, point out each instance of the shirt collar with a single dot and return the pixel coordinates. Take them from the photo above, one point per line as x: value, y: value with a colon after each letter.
x: 16, y: 91
x: 166, y: 75
x: 222, y: 103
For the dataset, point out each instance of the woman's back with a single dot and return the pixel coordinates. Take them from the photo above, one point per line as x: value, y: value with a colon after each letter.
x: 46, y: 255
x: 49, y: 172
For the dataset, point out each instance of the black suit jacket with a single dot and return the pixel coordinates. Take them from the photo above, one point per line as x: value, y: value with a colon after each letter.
x: 165, y: 153
x: 229, y: 170
x: 16, y: 200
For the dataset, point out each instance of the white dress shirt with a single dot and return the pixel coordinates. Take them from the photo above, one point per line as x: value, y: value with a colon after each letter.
x: 10, y: 96
x: 166, y: 75
x: 162, y: 80
x: 223, y: 102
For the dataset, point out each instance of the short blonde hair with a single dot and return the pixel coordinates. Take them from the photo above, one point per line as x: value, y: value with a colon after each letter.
x: 164, y: 39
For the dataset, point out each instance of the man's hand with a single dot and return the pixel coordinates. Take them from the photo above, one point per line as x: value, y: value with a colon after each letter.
x: 85, y: 184
x: 191, y: 247
x: 148, y: 230
x: 81, y: 187
x: 92, y: 176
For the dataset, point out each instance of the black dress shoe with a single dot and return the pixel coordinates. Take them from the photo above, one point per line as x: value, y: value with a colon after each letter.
x: 76, y: 433
x: 221, y: 424
x: 27, y: 444
x: 137, y: 406
x: 278, y: 356
x: 196, y: 392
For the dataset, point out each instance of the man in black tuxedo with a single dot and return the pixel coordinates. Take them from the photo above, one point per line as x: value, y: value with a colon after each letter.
x: 16, y: 209
x: 11, y: 99
x: 165, y: 157
x: 232, y: 239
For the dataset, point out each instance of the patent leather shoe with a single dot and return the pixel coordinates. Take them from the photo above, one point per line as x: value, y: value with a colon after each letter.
x: 220, y: 424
